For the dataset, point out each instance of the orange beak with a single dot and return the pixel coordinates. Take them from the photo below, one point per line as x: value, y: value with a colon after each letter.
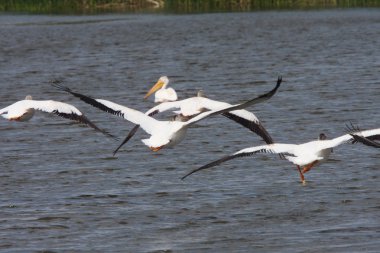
x: 155, y: 87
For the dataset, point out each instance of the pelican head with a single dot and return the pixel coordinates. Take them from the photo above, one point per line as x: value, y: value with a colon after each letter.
x: 29, y: 97
x: 322, y: 136
x: 161, y: 83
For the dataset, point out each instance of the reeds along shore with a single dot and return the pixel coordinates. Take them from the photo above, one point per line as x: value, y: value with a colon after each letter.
x: 174, y: 6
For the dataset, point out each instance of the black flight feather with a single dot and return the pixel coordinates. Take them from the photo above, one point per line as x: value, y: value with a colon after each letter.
x: 89, y: 100
x: 132, y: 133
x: 82, y: 119
x: 230, y: 157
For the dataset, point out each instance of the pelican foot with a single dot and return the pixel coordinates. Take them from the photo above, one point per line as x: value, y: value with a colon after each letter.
x: 155, y: 149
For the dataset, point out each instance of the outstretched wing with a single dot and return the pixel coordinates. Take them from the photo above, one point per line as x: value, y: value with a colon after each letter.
x: 371, y: 134
x: 89, y: 100
x: 277, y: 148
x: 367, y: 141
x: 65, y: 111
x: 255, y: 127
x: 146, y: 122
x: 256, y: 100
x: 165, y: 106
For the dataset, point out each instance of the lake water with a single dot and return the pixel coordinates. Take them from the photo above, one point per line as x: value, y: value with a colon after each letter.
x: 62, y: 191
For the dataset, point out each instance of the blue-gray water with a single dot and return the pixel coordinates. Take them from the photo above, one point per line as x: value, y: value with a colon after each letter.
x: 62, y: 191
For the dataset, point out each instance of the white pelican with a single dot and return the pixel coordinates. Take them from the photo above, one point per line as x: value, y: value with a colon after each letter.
x: 304, y: 155
x: 23, y: 110
x: 163, y: 133
x: 162, y: 94
x: 355, y: 132
x: 193, y: 106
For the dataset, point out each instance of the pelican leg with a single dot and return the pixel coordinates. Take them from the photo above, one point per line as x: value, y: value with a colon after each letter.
x: 309, y: 166
x: 155, y: 149
x: 15, y: 119
x: 301, y: 175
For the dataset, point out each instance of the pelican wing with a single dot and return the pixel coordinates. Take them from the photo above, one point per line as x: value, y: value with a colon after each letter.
x: 255, y: 127
x: 277, y: 148
x: 134, y: 116
x: 50, y: 106
x: 63, y: 110
x: 195, y: 105
x: 190, y: 106
x: 4, y: 110
x: 146, y: 122
x: 325, y: 144
x: 130, y: 135
x: 243, y: 117
x: 370, y: 134
x: 256, y: 100
x: 166, y: 106
x: 89, y: 100
x: 369, y: 138
x: 367, y: 141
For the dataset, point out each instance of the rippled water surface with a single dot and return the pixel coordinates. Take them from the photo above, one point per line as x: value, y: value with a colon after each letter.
x: 62, y: 191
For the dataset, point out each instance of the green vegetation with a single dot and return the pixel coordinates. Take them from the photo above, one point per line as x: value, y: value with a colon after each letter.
x: 74, y: 6
x: 171, y: 6
x: 253, y: 5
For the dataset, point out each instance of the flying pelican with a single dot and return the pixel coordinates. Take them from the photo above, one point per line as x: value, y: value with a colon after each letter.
x: 193, y: 106
x: 355, y: 132
x: 304, y: 155
x: 24, y: 110
x: 162, y: 94
x: 163, y: 133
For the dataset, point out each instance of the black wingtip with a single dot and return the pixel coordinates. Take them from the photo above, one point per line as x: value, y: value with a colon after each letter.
x: 279, y: 80
x: 111, y: 135
x: 351, y: 128
x: 274, y: 90
x: 130, y: 135
x: 117, y: 149
x: 188, y: 174
x: 195, y: 170
x: 60, y: 87
x: 212, y: 164
x: 365, y: 141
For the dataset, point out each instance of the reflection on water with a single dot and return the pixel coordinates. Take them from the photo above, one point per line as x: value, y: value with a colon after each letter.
x: 61, y: 190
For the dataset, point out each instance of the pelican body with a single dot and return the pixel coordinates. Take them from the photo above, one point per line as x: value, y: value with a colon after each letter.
x: 163, y: 133
x: 162, y: 93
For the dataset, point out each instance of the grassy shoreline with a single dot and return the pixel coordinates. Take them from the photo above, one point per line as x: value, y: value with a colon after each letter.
x: 172, y: 6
